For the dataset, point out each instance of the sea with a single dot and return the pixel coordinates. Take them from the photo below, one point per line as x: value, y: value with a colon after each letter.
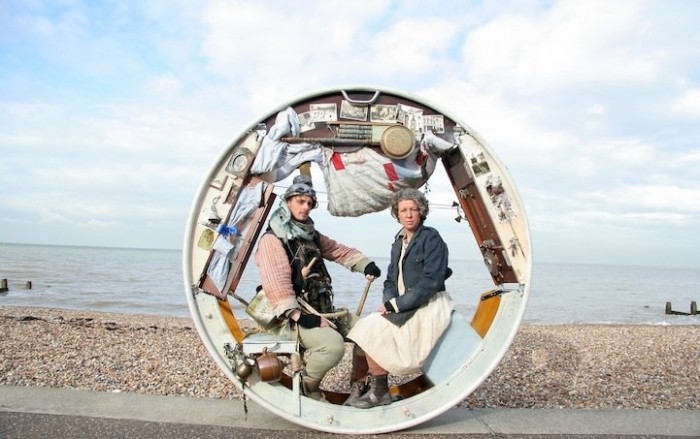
x: 145, y: 281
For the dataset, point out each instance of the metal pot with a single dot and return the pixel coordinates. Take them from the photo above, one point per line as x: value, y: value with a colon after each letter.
x: 245, y: 368
x: 269, y: 367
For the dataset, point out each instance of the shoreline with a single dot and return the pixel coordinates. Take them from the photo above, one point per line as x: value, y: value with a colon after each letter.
x: 591, y: 366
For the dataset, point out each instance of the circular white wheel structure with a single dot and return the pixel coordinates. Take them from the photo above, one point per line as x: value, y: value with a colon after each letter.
x: 398, y: 138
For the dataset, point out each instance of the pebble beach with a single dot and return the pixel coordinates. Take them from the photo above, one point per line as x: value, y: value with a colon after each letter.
x: 547, y: 366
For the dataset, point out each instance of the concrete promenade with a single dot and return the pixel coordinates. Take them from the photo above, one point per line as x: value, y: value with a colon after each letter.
x: 34, y: 412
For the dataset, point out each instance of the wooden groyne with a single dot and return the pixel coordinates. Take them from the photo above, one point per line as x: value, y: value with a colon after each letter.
x: 4, y: 286
x: 693, y: 310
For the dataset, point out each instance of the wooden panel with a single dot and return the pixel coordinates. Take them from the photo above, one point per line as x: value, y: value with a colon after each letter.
x: 248, y: 241
x: 482, y: 225
x: 231, y: 320
x: 246, y: 148
x: 486, y: 312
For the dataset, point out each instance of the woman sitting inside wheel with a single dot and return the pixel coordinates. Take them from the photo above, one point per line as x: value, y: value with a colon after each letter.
x: 415, y: 311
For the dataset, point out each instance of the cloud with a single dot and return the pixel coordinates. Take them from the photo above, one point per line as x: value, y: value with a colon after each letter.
x: 570, y: 44
x: 411, y: 48
x: 112, y: 114
x: 257, y: 42
x: 166, y: 85
x: 654, y: 198
x: 688, y: 103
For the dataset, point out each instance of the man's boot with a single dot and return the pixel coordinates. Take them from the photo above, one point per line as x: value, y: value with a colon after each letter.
x: 359, y: 380
x: 378, y: 393
x: 310, y: 388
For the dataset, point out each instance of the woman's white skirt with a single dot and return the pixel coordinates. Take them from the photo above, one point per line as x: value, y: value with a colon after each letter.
x: 402, y: 350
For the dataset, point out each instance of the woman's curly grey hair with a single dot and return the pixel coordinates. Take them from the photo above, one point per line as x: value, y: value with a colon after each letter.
x: 413, y: 195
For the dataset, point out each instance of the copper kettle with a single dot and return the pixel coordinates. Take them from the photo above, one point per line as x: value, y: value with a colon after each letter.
x: 269, y: 367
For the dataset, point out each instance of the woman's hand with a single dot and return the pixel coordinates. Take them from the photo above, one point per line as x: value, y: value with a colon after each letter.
x: 386, y: 308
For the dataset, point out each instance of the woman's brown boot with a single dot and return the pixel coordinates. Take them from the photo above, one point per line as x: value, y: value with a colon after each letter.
x: 357, y: 389
x: 359, y: 380
x: 378, y: 393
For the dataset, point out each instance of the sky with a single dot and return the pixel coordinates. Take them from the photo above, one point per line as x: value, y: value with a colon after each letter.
x: 113, y: 113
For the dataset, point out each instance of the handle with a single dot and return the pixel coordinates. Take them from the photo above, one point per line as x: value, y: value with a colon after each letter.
x: 307, y: 270
x: 358, y: 102
x: 363, y: 299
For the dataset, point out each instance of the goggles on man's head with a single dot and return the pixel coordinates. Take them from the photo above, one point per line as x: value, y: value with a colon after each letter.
x: 301, y: 189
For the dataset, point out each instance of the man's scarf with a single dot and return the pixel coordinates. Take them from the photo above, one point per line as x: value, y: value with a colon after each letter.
x: 287, y: 228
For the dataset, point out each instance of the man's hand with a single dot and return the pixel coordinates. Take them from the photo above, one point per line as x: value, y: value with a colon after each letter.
x: 309, y: 321
x: 372, y: 271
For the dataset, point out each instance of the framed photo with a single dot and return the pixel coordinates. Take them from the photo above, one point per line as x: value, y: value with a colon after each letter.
x: 434, y: 123
x: 323, y: 112
x: 479, y: 164
x: 353, y: 112
x: 232, y: 194
x: 206, y: 239
x: 383, y: 113
x: 219, y: 183
x: 306, y: 122
x: 411, y: 117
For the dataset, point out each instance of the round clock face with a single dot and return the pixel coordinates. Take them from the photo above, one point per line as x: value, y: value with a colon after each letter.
x: 238, y: 163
